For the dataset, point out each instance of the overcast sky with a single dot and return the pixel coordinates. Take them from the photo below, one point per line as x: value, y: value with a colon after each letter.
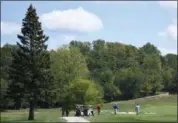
x: 128, y: 22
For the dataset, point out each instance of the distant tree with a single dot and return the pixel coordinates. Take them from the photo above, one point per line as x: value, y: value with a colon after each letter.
x: 130, y: 82
x: 30, y: 72
x: 168, y: 75
x: 171, y: 60
x: 121, y: 71
x: 149, y: 48
x: 68, y: 66
x: 151, y: 63
x: 83, y: 92
x: 6, y: 59
x: 174, y: 86
x: 111, y: 92
x: 84, y: 47
x: 3, y: 90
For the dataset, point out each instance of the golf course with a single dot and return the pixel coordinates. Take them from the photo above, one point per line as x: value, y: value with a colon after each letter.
x: 80, y: 62
x: 157, y: 109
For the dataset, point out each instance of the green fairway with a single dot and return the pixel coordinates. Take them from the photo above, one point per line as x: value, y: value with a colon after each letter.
x: 164, y: 107
x: 41, y: 115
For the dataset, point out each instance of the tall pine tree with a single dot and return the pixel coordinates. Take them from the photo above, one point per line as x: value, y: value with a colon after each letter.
x: 30, y: 71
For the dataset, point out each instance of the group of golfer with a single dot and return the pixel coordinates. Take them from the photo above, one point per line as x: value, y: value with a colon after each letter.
x: 116, y: 108
x: 89, y: 111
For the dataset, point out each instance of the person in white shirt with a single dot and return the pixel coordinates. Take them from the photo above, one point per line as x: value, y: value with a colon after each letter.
x: 91, y: 110
x: 137, y: 109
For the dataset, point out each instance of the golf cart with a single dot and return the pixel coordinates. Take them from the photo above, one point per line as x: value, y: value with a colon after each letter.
x: 84, y: 110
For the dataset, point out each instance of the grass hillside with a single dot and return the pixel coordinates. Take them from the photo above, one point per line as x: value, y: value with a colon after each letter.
x: 164, y: 107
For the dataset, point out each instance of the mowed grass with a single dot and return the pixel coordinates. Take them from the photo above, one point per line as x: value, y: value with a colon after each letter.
x: 41, y: 115
x: 164, y: 107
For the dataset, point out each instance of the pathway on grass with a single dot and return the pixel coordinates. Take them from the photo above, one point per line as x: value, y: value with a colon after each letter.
x: 75, y: 119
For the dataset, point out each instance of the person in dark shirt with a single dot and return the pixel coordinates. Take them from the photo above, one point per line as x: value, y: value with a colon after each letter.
x: 67, y: 113
x: 115, y: 108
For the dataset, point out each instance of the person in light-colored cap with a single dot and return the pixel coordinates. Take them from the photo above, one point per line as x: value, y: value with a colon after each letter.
x: 137, y: 109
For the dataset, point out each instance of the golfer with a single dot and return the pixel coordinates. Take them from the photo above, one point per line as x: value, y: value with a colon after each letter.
x: 98, y: 108
x: 63, y: 111
x: 137, y: 109
x: 91, y: 111
x: 67, y: 113
x: 115, y: 108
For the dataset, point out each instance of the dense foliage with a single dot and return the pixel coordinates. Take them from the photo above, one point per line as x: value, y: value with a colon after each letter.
x: 83, y: 72
x: 29, y: 73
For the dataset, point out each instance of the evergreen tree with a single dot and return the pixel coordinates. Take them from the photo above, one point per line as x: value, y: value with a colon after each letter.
x: 17, y: 78
x: 30, y: 71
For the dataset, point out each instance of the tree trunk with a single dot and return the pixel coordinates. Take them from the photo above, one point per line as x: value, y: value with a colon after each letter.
x: 18, y: 104
x: 153, y: 91
x: 31, y: 111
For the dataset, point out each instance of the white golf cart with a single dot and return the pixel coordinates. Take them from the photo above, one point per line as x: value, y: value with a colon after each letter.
x: 84, y: 110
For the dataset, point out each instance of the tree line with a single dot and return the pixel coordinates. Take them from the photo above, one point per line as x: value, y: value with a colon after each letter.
x: 79, y: 73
